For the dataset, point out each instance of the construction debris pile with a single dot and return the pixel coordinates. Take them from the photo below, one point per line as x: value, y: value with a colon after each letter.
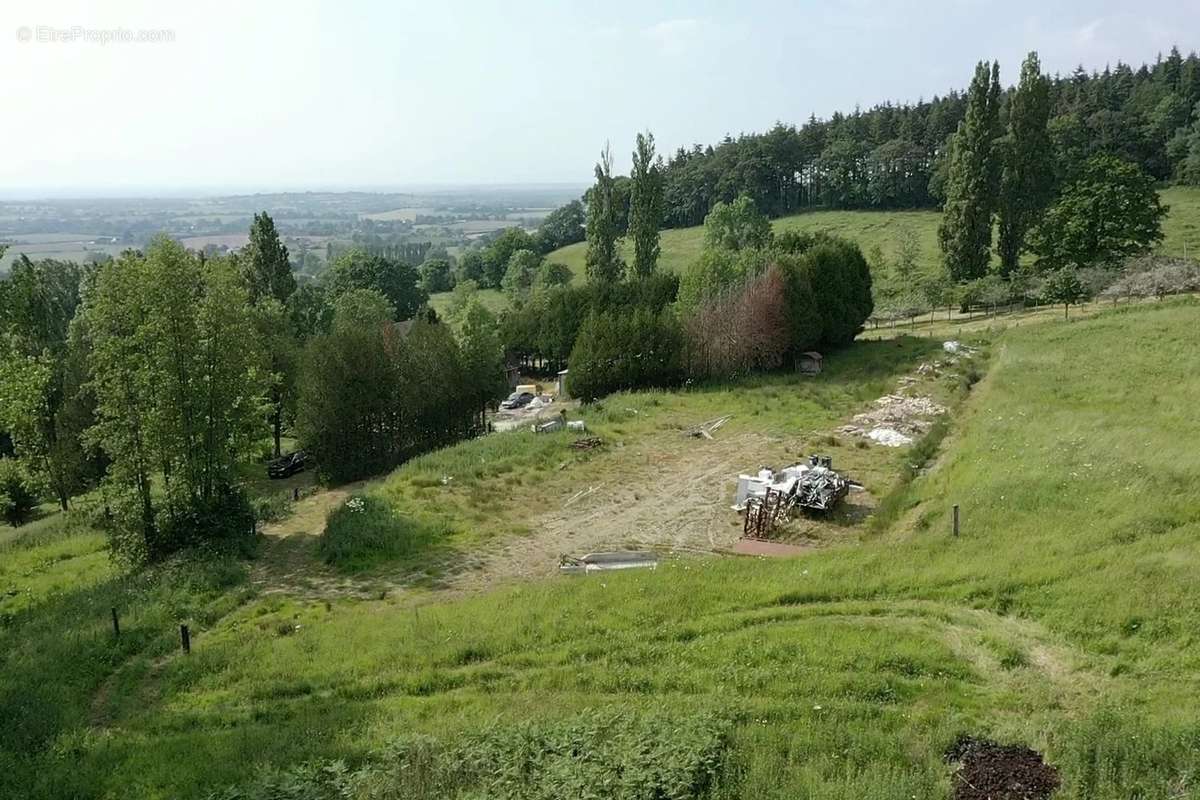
x: 896, y: 420
x: 769, y: 498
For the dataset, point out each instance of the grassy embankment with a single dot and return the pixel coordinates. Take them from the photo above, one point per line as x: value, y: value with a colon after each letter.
x: 1062, y: 617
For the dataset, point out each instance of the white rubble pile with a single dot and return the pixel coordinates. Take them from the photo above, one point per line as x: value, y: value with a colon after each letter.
x: 888, y: 437
x: 896, y: 420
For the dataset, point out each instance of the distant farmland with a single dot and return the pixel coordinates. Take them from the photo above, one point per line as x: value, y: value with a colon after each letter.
x: 231, y: 240
x: 62, y: 246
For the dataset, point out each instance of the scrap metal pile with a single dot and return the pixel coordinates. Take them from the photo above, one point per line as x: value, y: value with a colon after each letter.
x: 770, y: 497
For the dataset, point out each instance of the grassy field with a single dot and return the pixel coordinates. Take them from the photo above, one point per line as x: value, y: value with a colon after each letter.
x: 1063, y: 617
x: 883, y: 229
x: 493, y: 299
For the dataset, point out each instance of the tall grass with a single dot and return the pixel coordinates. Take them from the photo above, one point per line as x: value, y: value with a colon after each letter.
x: 366, y: 530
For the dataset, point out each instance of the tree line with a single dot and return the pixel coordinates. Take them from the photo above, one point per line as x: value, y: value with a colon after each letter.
x: 1012, y: 190
x: 148, y: 383
x: 897, y: 155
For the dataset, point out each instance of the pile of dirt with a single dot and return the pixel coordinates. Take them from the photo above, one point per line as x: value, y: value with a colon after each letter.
x: 992, y: 771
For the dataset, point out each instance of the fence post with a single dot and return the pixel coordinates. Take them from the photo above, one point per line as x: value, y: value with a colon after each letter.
x: 185, y: 639
x: 116, y: 623
x: 956, y: 519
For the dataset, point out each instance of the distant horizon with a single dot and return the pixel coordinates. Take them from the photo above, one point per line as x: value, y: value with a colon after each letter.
x: 66, y: 194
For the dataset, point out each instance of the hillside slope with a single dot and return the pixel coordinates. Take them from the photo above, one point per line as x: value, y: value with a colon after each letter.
x: 883, y: 229
x: 1063, y: 617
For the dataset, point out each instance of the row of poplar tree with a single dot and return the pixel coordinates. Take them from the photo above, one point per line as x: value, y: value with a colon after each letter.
x: 1005, y: 173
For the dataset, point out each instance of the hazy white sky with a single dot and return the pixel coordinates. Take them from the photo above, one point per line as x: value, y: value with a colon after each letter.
x: 364, y: 94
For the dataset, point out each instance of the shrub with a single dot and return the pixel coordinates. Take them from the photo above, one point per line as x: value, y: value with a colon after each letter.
x: 271, y: 507
x: 828, y: 285
x: 17, y: 495
x: 621, y: 351
x: 365, y: 529
x: 547, y: 326
x: 741, y: 331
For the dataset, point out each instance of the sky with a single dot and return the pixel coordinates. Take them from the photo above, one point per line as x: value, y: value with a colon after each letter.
x: 164, y: 96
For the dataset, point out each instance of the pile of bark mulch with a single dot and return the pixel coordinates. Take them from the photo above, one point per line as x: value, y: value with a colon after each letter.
x: 992, y: 771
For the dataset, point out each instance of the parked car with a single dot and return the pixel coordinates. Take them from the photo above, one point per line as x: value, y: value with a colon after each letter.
x: 517, y: 400
x: 288, y: 465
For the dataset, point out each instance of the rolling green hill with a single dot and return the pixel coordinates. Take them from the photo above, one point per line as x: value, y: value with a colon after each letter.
x: 682, y: 246
x: 1063, y: 617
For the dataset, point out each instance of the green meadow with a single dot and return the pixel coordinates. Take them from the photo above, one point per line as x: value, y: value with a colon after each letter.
x: 1063, y: 616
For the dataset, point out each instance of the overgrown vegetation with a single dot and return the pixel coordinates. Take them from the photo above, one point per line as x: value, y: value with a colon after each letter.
x: 623, y: 754
x: 366, y: 530
x: 367, y: 388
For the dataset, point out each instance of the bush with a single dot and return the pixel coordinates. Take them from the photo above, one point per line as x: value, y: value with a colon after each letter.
x: 17, y: 495
x: 742, y: 331
x: 271, y: 507
x: 365, y: 529
x: 547, y: 326
x: 621, y: 351
x: 841, y: 287
x: 828, y: 285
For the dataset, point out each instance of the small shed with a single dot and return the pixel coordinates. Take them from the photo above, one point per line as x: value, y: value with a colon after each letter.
x: 562, y: 384
x: 809, y: 363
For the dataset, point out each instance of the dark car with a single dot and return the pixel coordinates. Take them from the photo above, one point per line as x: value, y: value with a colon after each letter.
x: 517, y: 400
x: 288, y: 465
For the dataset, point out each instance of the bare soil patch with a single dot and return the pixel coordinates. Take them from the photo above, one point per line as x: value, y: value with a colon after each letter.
x: 992, y: 771
x: 672, y: 497
x: 756, y: 547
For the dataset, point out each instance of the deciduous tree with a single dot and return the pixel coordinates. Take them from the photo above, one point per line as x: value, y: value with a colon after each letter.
x: 397, y: 281
x: 1109, y: 212
x: 645, y: 205
x: 264, y: 262
x: 603, y: 262
x: 1027, y: 180
x: 736, y: 226
x: 520, y: 275
x: 965, y: 233
x: 179, y: 378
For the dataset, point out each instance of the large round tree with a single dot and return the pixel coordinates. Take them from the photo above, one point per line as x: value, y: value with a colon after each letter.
x: 1111, y: 211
